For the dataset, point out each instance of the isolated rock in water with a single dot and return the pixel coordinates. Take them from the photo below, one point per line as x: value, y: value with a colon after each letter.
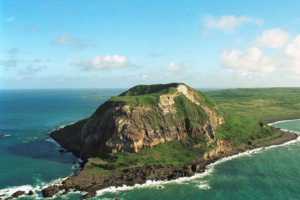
x: 50, y: 191
x: 18, y: 193
x: 2, y: 135
x: 31, y: 192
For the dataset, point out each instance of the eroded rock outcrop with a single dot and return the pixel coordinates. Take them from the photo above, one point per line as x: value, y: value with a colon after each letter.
x: 135, y: 120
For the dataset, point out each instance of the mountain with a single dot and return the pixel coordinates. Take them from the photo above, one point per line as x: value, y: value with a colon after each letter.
x: 145, y: 116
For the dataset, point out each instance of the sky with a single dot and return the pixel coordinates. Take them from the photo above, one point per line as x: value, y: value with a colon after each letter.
x: 120, y: 44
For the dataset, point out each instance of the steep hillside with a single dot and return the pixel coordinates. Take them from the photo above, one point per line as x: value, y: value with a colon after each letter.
x: 145, y: 116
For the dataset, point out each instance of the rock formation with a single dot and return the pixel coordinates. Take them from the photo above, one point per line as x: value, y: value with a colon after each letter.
x: 145, y: 116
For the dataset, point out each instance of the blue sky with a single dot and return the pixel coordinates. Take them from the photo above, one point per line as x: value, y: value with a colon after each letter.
x: 119, y: 44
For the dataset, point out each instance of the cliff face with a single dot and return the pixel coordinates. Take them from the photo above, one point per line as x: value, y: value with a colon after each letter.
x: 137, y: 119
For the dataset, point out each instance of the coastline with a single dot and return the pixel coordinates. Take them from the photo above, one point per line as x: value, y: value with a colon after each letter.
x: 37, y: 190
x: 150, y: 174
x: 86, y: 185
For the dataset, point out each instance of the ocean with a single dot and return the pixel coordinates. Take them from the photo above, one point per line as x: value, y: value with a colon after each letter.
x: 30, y: 161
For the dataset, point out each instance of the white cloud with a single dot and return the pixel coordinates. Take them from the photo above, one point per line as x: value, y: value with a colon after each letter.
x: 65, y: 39
x: 227, y: 23
x: 173, y: 67
x: 145, y: 76
x: 258, y: 22
x: 292, y: 51
x: 273, y: 38
x: 252, y: 59
x: 100, y: 62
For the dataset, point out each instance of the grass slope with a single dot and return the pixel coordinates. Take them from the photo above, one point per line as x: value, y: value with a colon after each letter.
x: 261, y: 103
x: 169, y: 153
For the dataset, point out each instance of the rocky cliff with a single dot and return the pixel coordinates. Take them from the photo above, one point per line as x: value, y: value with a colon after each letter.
x: 147, y: 115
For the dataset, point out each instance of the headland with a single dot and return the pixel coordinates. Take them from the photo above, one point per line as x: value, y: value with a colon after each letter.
x: 157, y: 132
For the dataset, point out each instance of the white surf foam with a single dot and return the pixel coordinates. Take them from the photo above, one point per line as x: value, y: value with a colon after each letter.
x: 60, y: 127
x: 270, y: 124
x: 156, y: 184
x: 36, y: 189
x: 203, y: 185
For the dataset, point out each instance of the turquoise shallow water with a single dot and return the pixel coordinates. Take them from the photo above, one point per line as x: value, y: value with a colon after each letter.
x: 265, y: 174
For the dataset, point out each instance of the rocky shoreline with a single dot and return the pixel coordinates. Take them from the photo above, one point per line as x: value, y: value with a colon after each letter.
x: 139, y: 175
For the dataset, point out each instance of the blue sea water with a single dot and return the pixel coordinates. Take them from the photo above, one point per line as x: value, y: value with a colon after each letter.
x: 29, y: 161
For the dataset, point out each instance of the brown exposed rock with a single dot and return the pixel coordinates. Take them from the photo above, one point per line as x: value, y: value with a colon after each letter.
x: 18, y: 193
x: 125, y: 128
x: 89, y: 195
x: 50, y: 191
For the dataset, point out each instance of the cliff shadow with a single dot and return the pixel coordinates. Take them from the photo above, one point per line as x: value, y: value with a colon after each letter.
x: 41, y: 149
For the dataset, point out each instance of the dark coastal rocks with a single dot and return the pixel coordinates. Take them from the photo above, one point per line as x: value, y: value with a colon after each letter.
x: 61, y: 150
x: 15, y: 195
x: 65, y: 192
x: 50, y: 191
x: 109, y: 166
x: 18, y: 193
x: 89, y: 195
x: 31, y: 192
x: 196, y: 167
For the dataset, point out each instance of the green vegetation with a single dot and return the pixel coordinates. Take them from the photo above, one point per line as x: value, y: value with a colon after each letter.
x: 187, y: 109
x: 141, y: 95
x: 168, y: 153
x: 151, y: 89
x: 239, y: 130
x: 261, y: 103
x: 147, y: 96
x: 206, y: 100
